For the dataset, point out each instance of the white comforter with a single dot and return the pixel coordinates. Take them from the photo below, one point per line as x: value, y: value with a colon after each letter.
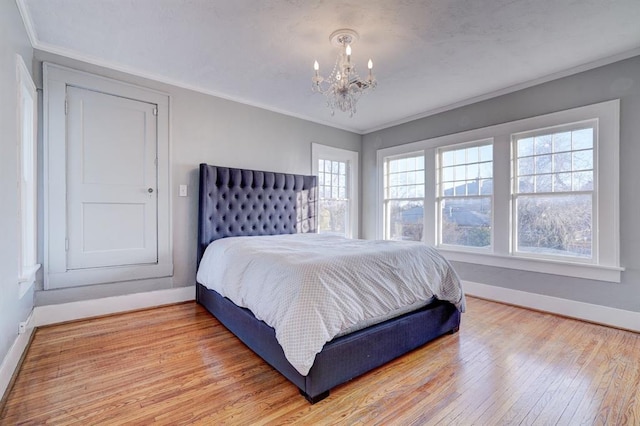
x: 311, y: 287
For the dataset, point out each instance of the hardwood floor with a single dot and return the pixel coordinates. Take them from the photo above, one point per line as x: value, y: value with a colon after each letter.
x: 178, y: 365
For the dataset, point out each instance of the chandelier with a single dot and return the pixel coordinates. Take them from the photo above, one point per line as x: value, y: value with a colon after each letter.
x: 344, y: 86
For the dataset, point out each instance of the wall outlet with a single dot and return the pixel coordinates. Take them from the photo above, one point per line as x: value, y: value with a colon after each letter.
x: 182, y: 191
x: 22, y: 327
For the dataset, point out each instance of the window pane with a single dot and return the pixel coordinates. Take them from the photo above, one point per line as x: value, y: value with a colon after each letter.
x: 525, y: 147
x: 525, y: 166
x: 486, y: 153
x: 486, y: 170
x: 472, y: 187
x: 562, y: 162
x: 466, y: 222
x: 543, y: 183
x: 562, y: 142
x: 582, y: 139
x: 333, y: 192
x: 583, y: 181
x: 472, y: 155
x: 542, y: 144
x: 583, y: 160
x: 543, y: 164
x: 473, y: 171
x: 486, y: 187
x: 562, y: 182
x: 558, y: 225
x: 447, y: 158
x: 525, y: 184
x: 466, y: 216
x: 333, y: 216
x: 405, y: 220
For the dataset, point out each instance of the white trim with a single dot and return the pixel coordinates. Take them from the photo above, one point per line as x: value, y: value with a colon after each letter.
x: 319, y: 151
x: 177, y: 83
x: 10, y: 363
x: 505, y: 91
x: 27, y: 188
x: 46, y: 47
x: 604, y: 315
x: 587, y: 271
x: 28, y: 23
x: 53, y: 314
x: 608, y: 267
x: 56, y: 275
x: 25, y: 283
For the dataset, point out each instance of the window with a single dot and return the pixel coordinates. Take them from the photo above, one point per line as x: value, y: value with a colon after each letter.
x: 337, y: 172
x: 554, y: 191
x: 539, y: 194
x: 27, y: 166
x: 404, y: 197
x: 465, y: 189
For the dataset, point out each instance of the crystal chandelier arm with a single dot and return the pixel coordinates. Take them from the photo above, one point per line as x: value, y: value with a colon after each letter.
x: 343, y: 87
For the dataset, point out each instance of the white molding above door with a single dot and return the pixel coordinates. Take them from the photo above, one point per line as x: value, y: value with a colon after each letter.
x: 57, y: 273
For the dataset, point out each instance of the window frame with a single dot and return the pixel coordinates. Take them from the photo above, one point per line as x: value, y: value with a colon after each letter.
x: 583, y: 124
x: 325, y: 152
x: 386, y: 200
x: 27, y: 169
x: 439, y: 197
x: 606, y: 160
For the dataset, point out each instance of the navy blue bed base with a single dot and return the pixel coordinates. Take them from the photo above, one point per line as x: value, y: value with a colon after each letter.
x: 341, y: 359
x: 235, y: 202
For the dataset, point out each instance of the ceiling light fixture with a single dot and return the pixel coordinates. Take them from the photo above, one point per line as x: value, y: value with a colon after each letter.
x: 344, y: 86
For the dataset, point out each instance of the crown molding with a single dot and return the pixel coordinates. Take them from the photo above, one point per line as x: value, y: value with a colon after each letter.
x: 37, y: 44
x: 28, y: 22
x: 525, y: 85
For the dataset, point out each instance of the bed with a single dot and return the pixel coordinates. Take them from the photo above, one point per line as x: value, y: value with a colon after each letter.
x: 246, y: 203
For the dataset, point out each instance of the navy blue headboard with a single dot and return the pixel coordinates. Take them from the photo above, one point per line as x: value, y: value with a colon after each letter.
x: 238, y: 202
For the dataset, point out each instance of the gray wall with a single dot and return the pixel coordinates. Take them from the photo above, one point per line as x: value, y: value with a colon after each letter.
x: 13, y: 40
x: 618, y: 80
x: 208, y: 129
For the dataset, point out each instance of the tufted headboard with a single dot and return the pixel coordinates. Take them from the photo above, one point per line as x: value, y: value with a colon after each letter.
x: 238, y: 202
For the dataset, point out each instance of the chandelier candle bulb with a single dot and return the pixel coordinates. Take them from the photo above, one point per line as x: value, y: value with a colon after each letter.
x: 343, y: 86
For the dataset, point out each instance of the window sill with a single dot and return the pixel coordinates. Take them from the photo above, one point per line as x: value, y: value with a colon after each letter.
x: 555, y: 267
x: 25, y: 282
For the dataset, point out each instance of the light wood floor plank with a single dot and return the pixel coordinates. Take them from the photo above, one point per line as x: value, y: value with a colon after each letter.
x: 179, y: 365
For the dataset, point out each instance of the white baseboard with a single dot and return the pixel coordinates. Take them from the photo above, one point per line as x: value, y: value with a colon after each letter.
x: 53, y: 314
x: 619, y: 318
x: 12, y: 359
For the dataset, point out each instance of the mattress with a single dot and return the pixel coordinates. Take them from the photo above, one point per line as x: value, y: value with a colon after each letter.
x: 311, y: 288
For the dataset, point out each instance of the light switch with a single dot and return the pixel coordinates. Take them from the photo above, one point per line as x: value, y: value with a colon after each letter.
x: 183, y: 191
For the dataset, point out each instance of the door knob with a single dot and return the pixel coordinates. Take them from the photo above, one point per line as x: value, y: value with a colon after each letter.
x: 150, y: 190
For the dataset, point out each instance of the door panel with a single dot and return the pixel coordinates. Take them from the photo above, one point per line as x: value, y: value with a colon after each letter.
x: 111, y: 181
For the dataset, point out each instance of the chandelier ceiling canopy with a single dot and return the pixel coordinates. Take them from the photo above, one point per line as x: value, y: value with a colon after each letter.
x: 343, y: 87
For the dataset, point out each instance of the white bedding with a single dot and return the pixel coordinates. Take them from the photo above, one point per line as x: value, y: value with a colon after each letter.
x: 312, y: 287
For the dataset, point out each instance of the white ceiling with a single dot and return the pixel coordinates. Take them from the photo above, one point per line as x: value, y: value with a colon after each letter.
x: 428, y: 55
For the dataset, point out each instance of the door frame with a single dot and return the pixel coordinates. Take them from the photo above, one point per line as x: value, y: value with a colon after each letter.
x: 56, y: 275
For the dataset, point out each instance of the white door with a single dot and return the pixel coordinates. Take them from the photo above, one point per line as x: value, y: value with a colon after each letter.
x: 111, y: 180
